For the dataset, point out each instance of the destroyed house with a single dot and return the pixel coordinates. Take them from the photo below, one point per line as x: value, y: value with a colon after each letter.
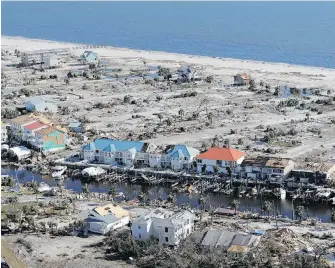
x: 106, y: 218
x: 225, y: 239
x: 270, y: 168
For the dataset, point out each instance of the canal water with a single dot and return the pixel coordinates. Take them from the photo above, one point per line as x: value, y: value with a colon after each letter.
x: 320, y: 211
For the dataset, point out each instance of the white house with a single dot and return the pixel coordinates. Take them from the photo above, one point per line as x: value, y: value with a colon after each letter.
x: 106, y: 218
x: 167, y: 227
x: 17, y: 125
x: 89, y: 57
x: 115, y: 152
x: 52, y: 61
x: 39, y: 104
x: 29, y: 131
x: 222, y: 158
x: 4, y: 134
x: 271, y: 168
x: 179, y: 157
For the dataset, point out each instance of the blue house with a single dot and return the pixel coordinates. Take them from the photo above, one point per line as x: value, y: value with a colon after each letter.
x: 77, y: 127
x: 114, y: 152
x: 182, y: 156
x: 89, y: 57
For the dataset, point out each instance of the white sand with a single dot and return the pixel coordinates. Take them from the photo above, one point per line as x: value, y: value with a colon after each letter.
x: 292, y: 75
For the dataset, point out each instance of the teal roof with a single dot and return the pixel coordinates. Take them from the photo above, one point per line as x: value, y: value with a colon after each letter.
x: 108, y: 145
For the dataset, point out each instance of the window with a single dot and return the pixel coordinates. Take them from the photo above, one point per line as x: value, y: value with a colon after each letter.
x: 139, y: 236
x: 199, y: 161
x: 185, y: 158
x: 166, y: 230
x: 219, y: 162
x: 166, y: 239
x: 139, y: 227
x: 96, y: 151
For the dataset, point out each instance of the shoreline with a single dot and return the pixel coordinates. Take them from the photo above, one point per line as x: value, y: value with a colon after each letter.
x: 6, y: 41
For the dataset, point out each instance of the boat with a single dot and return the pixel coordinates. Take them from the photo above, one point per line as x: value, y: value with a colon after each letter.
x: 93, y: 172
x: 280, y: 193
x: 43, y: 187
x: 58, y: 171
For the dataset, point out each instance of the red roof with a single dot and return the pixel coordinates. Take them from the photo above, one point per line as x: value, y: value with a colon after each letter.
x: 225, y: 154
x: 35, y: 125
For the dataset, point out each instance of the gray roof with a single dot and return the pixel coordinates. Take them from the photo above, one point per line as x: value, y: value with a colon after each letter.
x: 226, y: 239
x: 219, y: 238
x: 242, y: 240
x: 211, y: 238
x: 95, y: 217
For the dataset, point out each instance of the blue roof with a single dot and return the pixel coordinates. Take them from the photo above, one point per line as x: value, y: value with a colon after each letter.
x: 23, y: 148
x: 258, y: 232
x: 174, y: 152
x: 104, y: 144
x: 75, y: 124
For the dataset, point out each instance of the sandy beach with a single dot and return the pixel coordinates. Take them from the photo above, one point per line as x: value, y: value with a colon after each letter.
x: 292, y: 75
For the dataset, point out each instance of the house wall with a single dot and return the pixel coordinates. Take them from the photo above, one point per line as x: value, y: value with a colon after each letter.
x: 159, y: 160
x: 178, y: 164
x: 210, y: 164
x: 54, y: 140
x: 4, y: 135
x: 141, y: 230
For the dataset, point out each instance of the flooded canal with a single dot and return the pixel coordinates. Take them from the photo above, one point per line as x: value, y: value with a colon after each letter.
x: 321, y: 211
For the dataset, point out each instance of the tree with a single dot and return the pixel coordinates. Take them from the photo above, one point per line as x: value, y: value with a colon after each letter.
x: 267, y: 207
x: 203, y: 169
x: 299, y: 212
x: 67, y: 81
x: 181, y: 113
x: 308, y: 116
x: 235, y: 204
x: 332, y: 218
x: 277, y: 89
x: 86, y: 189
x: 160, y: 116
x: 143, y: 198
x: 252, y: 85
x: 210, y: 118
x: 112, y: 192
x: 35, y: 188
x: 229, y: 171
x: 261, y: 84
x: 216, y: 169
x: 168, y: 121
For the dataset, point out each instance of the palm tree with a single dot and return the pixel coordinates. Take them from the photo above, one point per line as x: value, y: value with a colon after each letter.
x: 235, y: 204
x: 160, y: 116
x: 307, y: 115
x: 267, y: 207
x: 86, y: 189
x: 168, y: 121
x: 203, y: 168
x: 181, y: 113
x: 299, y: 212
x: 210, y: 118
x: 143, y: 198
x: 35, y: 188
x: 112, y: 192
x: 216, y: 169
x: 261, y: 84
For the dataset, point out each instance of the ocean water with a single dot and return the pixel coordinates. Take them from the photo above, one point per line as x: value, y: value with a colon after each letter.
x: 291, y: 32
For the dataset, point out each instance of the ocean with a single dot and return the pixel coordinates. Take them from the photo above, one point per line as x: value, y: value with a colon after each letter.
x: 292, y: 32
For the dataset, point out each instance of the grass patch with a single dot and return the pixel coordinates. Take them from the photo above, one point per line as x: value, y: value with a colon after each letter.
x: 8, y: 254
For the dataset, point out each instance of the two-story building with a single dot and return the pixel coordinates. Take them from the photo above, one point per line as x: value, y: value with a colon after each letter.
x: 29, y: 131
x: 116, y: 152
x: 220, y: 158
x: 17, y: 125
x: 271, y: 168
x: 49, y: 139
x: 167, y: 227
x: 4, y: 133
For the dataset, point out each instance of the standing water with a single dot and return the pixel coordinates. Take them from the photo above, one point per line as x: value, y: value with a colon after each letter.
x: 321, y: 211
